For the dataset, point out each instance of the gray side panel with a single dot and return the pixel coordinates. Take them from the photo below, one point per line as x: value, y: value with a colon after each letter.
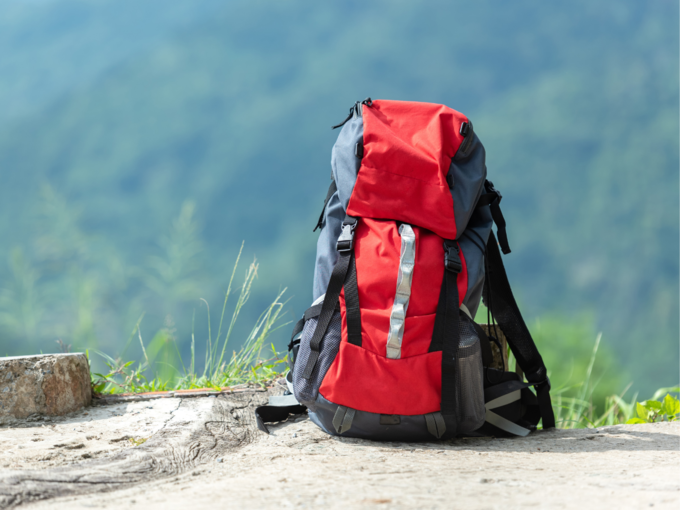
x: 345, y: 167
x: 326, y: 254
x: 306, y: 390
x: 367, y: 425
x: 471, y: 243
x: 343, y: 160
x: 469, y: 172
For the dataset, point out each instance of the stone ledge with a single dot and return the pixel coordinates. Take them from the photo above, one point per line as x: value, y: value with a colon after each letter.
x: 46, y: 384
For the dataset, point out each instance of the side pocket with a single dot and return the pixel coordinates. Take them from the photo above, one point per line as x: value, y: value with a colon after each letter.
x: 471, y: 409
x: 473, y: 245
x: 306, y: 390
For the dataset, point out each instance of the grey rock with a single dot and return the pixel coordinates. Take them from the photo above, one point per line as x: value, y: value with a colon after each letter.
x: 43, y: 385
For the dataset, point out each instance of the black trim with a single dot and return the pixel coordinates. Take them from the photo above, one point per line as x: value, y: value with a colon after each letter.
x: 352, y: 309
x: 354, y: 109
x: 331, y: 191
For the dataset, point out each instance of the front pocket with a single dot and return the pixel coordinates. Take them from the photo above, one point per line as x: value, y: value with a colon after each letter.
x: 365, y: 381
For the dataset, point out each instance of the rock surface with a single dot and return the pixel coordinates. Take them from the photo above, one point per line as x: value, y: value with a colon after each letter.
x: 206, y: 453
x: 49, y: 385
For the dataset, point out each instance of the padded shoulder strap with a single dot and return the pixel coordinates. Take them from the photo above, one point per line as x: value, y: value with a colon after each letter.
x: 499, y: 299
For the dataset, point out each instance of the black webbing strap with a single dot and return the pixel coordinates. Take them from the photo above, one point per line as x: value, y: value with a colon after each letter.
x: 437, y: 342
x: 345, y: 247
x: 314, y: 311
x: 273, y: 414
x: 496, y: 214
x: 331, y: 190
x: 450, y: 337
x: 352, y: 309
x: 498, y: 296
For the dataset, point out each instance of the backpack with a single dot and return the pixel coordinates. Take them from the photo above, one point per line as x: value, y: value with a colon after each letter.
x: 389, y: 349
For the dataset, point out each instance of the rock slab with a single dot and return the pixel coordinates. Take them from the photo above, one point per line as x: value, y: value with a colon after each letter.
x: 49, y: 384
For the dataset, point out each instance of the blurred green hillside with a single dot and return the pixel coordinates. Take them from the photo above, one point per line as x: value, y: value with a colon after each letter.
x: 141, y: 142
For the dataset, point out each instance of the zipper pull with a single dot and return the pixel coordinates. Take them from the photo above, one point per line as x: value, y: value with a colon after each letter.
x: 355, y: 109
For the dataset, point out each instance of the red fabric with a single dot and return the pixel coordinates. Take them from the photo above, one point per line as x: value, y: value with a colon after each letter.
x: 408, y: 148
x: 407, y: 153
x: 362, y: 380
x: 377, y: 250
x: 363, y: 377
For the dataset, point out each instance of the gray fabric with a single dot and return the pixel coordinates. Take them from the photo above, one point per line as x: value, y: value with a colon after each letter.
x: 345, y: 167
x: 407, y: 261
x: 472, y: 244
x: 367, y: 425
x: 344, y: 162
x: 326, y: 253
x: 306, y: 390
x: 470, y: 403
x: 468, y: 170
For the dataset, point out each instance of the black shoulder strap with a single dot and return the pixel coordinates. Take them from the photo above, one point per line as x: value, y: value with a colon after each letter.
x: 499, y: 299
x: 446, y: 335
x: 345, y: 249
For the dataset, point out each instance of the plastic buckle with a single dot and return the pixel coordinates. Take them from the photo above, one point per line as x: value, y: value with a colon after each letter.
x: 346, y: 239
x: 452, y: 260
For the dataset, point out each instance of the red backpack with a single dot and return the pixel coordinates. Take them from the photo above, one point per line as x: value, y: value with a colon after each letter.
x: 389, y: 348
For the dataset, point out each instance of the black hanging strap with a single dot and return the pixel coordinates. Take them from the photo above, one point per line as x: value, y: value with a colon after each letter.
x: 450, y: 336
x: 497, y: 215
x: 509, y: 318
x: 273, y: 414
x: 331, y: 190
x: 354, y: 109
x: 352, y: 310
x: 345, y: 248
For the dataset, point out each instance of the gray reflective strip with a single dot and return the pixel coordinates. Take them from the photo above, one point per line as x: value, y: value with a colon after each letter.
x: 499, y: 421
x: 504, y: 399
x: 283, y: 401
x: 318, y: 300
x: 398, y: 316
x: 466, y: 311
x: 342, y: 420
x: 504, y: 424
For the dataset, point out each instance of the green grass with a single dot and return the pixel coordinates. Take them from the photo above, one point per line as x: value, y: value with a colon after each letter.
x: 162, y: 367
x: 579, y: 411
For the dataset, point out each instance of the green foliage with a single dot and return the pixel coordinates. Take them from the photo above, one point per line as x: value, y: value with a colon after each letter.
x: 108, y: 125
x: 652, y: 411
x: 162, y: 358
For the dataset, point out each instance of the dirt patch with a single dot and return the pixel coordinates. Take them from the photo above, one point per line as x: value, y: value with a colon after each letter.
x: 217, y: 460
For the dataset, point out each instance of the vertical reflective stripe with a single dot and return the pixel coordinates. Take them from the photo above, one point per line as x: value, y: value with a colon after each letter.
x: 398, y: 316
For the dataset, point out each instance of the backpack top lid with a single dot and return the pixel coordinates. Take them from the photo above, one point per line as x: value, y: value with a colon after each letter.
x: 407, y: 151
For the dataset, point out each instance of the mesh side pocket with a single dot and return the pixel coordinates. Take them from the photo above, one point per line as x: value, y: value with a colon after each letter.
x: 471, y: 411
x: 306, y: 390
